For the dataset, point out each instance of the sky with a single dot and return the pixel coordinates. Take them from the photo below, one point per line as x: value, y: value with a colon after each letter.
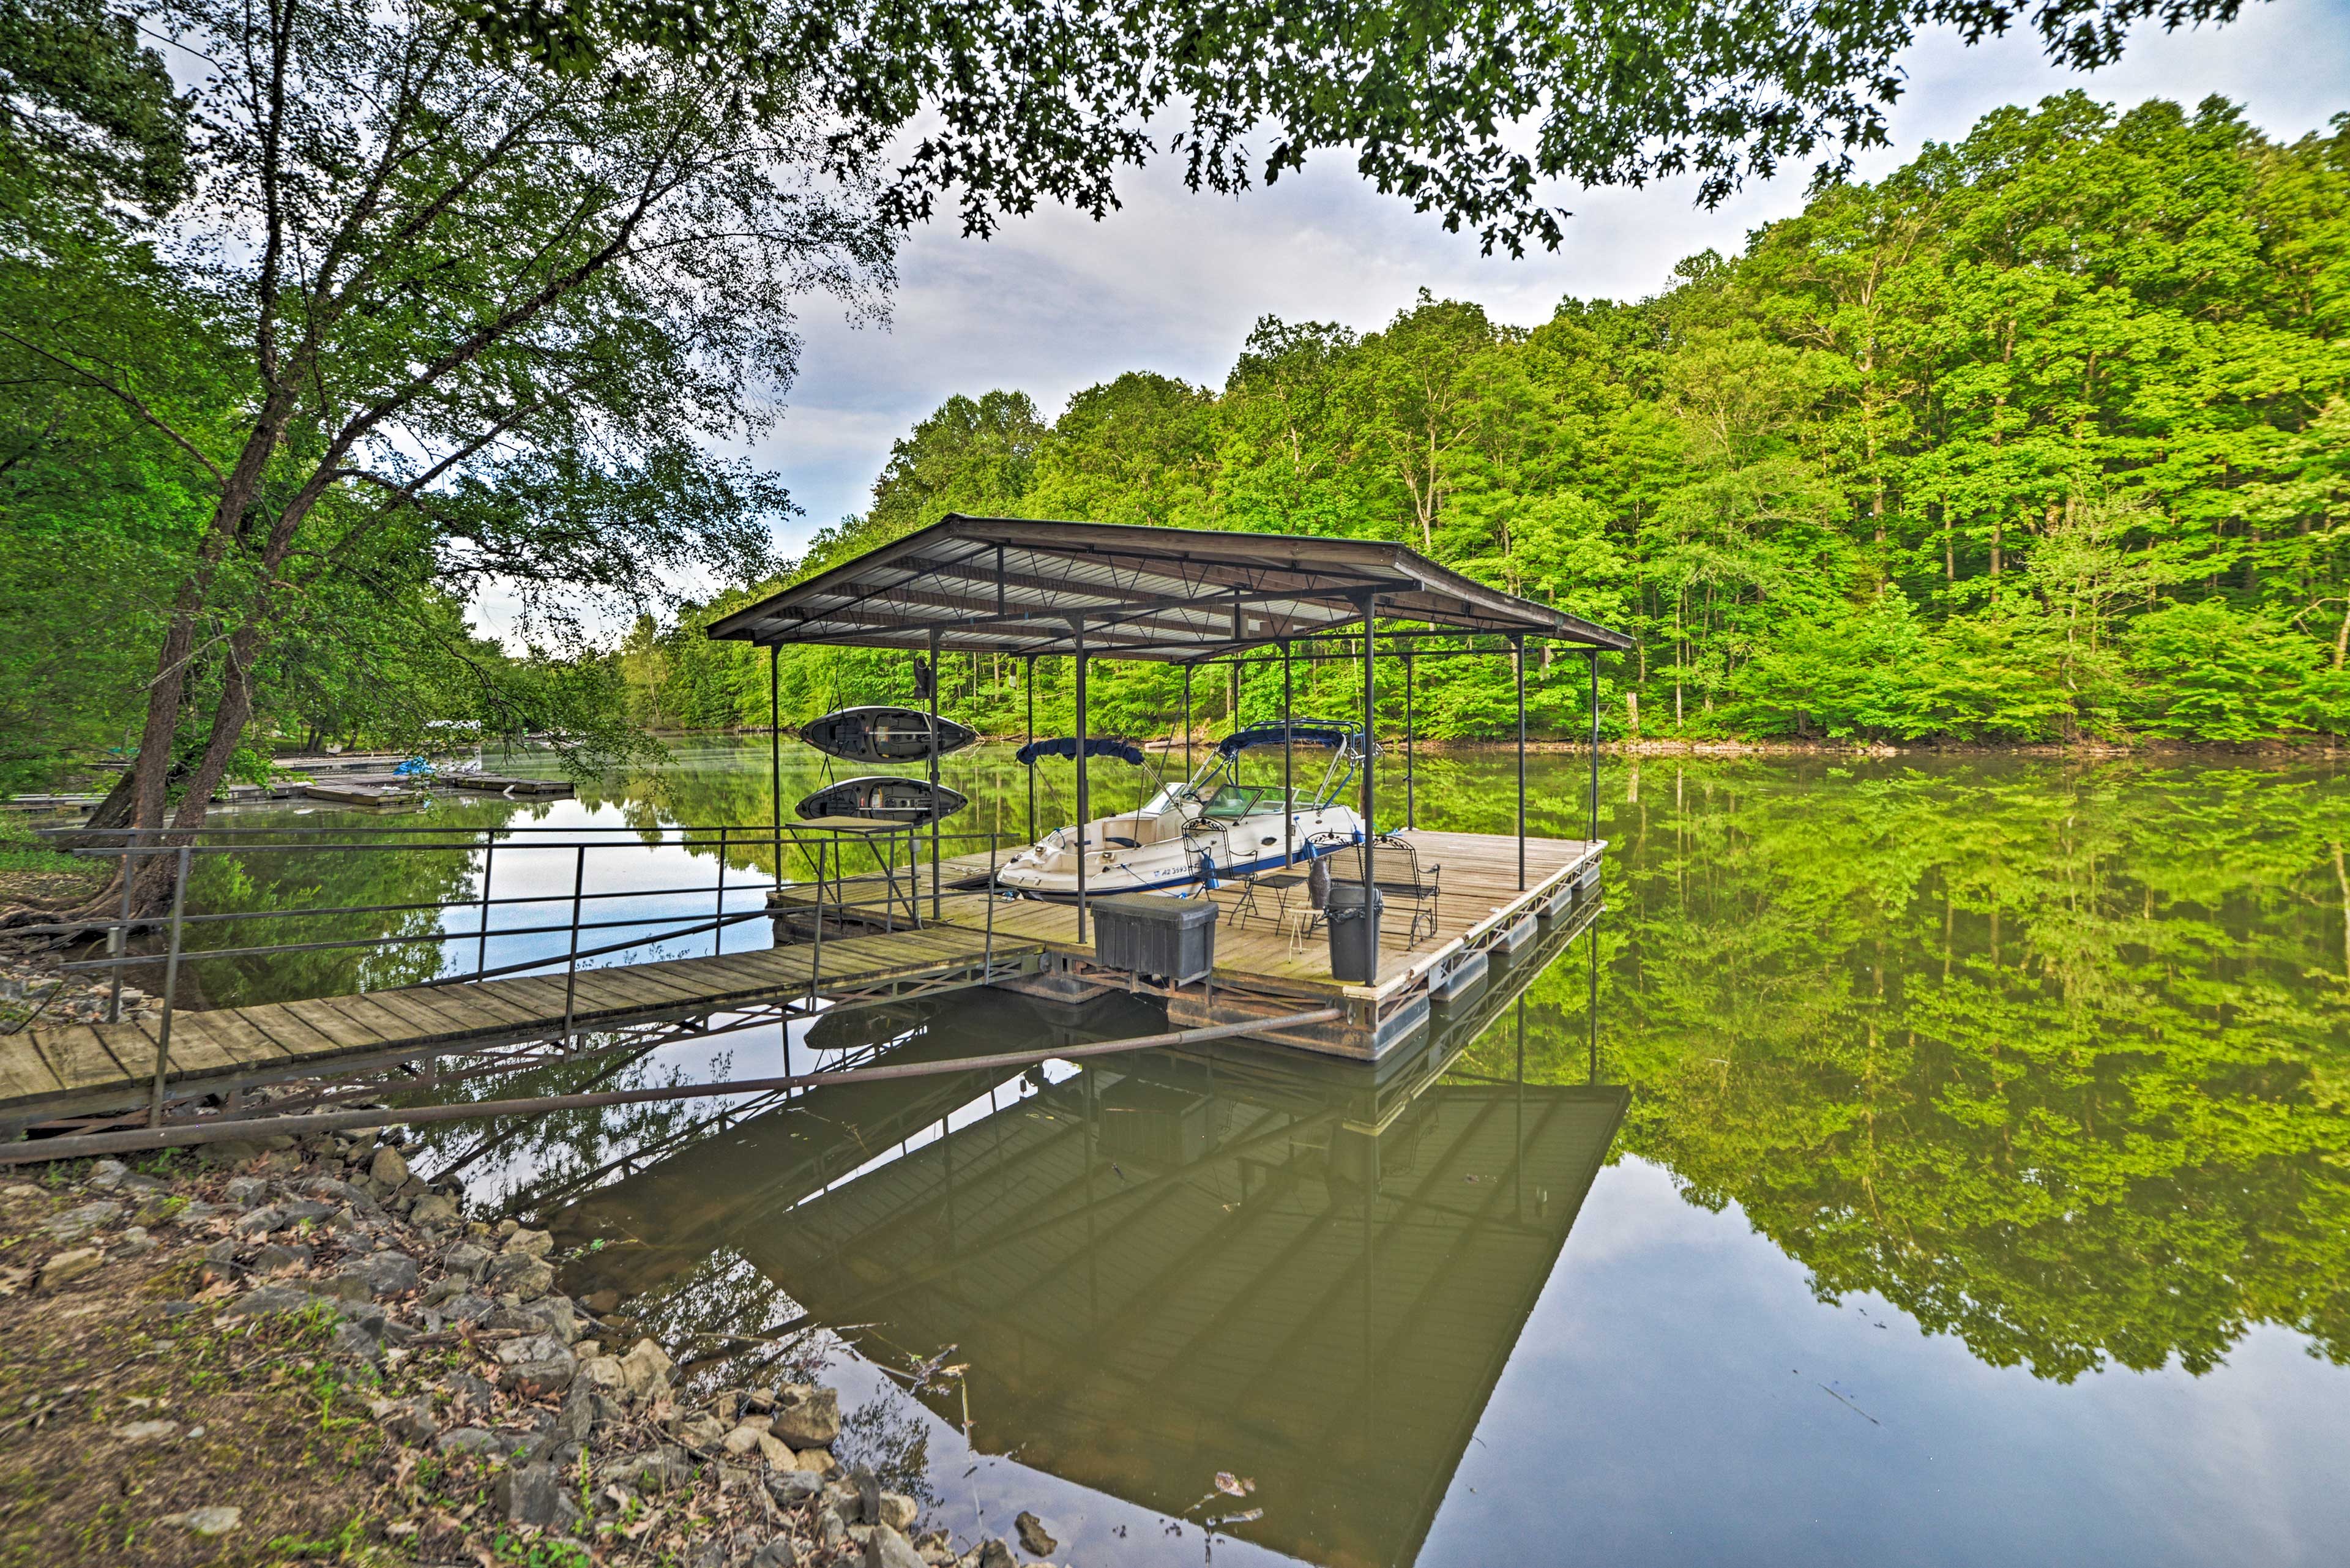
x: 1173, y: 281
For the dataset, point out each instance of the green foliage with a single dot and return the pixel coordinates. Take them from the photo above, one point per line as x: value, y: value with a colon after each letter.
x: 1466, y: 109
x: 2043, y: 438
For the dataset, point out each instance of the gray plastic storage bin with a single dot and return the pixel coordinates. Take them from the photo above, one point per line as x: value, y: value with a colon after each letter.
x: 1172, y: 939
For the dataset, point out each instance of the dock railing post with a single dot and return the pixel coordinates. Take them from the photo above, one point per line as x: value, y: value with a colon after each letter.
x: 718, y: 915
x: 1084, y: 799
x: 1518, y: 661
x: 1288, y: 763
x: 1187, y: 720
x: 171, y: 989
x: 935, y: 901
x: 775, y: 758
x: 118, y: 942
x: 571, y: 968
x: 1032, y: 740
x: 481, y: 941
x: 1592, y: 837
x: 1371, y: 757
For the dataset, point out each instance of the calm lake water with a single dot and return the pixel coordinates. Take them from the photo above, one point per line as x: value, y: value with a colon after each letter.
x: 1954, y: 1169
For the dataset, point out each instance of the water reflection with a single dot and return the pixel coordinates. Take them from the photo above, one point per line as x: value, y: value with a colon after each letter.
x: 1154, y: 1268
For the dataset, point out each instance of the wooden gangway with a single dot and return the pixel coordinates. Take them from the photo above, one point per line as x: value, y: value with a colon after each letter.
x: 1265, y: 967
x: 70, y: 1068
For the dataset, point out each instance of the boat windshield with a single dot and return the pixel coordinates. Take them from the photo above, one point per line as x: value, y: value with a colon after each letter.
x: 1233, y: 802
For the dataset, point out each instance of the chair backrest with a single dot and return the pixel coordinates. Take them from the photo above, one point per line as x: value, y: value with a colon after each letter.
x: 1394, y: 863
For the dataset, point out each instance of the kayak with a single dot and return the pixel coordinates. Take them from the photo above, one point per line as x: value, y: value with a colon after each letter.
x: 883, y: 734
x: 892, y: 797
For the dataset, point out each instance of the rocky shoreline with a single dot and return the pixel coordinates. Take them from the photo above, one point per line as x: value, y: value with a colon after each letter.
x: 292, y: 1351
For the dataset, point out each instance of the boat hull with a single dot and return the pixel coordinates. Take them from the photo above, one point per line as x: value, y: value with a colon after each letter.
x: 883, y: 734
x: 1175, y: 866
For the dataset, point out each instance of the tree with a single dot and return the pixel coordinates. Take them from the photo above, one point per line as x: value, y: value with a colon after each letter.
x: 482, y: 316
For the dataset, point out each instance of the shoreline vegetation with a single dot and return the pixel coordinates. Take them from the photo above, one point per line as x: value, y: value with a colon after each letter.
x: 269, y: 1351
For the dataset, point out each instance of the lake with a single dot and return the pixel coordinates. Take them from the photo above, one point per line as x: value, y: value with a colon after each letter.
x: 1933, y: 1160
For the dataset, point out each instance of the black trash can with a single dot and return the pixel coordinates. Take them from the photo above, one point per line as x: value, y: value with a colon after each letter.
x: 1354, y: 916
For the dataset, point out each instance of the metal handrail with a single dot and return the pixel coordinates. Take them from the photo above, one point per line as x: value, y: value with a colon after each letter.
x: 832, y: 896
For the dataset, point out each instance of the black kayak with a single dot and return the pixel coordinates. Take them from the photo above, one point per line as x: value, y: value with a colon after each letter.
x: 883, y: 735
x: 893, y: 797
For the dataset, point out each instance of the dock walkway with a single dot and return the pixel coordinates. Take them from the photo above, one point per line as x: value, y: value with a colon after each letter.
x: 1263, y: 970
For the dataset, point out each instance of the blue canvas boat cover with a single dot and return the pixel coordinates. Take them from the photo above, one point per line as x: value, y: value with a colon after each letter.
x: 1067, y: 746
x: 1331, y: 735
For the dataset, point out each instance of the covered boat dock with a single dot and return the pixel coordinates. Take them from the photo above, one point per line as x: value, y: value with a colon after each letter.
x: 1087, y: 591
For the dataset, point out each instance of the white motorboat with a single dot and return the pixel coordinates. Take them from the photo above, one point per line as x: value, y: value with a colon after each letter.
x: 1214, y: 827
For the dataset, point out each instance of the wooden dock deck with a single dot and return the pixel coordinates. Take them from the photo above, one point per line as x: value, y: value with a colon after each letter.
x: 1263, y: 969
x: 70, y: 1069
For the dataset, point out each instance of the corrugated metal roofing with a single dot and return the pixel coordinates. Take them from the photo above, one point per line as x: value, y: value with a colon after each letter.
x: 1008, y: 584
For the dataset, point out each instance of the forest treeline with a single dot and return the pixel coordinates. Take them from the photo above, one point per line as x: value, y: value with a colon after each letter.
x: 2042, y: 438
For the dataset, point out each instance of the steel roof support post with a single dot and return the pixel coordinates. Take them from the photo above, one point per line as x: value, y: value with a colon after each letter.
x: 1077, y: 633
x: 776, y: 756
x: 1187, y: 720
x: 1592, y: 835
x: 1370, y: 749
x: 1410, y: 794
x: 1288, y: 764
x: 1518, y: 659
x: 934, y: 773
x: 1032, y: 740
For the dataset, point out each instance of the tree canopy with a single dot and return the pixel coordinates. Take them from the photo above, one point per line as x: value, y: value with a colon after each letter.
x: 2042, y: 438
x: 1463, y: 106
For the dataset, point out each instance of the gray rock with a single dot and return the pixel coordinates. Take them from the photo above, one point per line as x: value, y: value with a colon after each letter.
x: 387, y: 1168
x: 811, y: 1418
x: 352, y: 1339
x: 192, y: 1213
x: 468, y: 1308
x: 662, y: 1468
x: 346, y: 1283
x: 832, y: 1533
x: 898, y: 1511
x: 1031, y: 1531
x: 137, y: 1241
x: 519, y: 1274
x: 993, y: 1552
x: 468, y: 1440
x: 245, y: 1192
x: 535, y: 1378
x: 778, y: 1552
x: 465, y: 1259
x: 540, y: 1347
x: 531, y: 1494
x: 433, y: 1212
x: 261, y: 1221
x: 531, y: 1243
x: 217, y: 1520
x: 885, y: 1548
x: 388, y: 1273
x: 107, y: 1175
x: 267, y: 1299
x: 274, y: 1257
x: 645, y: 1370
x: 76, y: 1222
x: 700, y: 1430
x: 410, y: 1420
x: 465, y: 1388
x: 70, y: 1265
x: 792, y: 1487
x: 304, y: 1209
